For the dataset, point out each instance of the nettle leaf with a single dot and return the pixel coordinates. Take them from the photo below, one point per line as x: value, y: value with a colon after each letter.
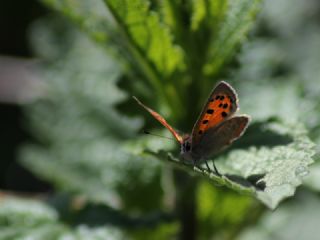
x: 92, y: 16
x: 269, y: 173
x: 232, y: 25
x: 20, y: 219
x: 263, y: 100
x: 147, y: 35
x: 139, y: 30
x: 84, y: 136
x: 32, y: 219
x: 214, y: 12
x: 296, y: 219
x: 137, y: 38
x: 215, y: 210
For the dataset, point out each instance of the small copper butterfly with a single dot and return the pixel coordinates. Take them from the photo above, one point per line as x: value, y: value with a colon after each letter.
x: 215, y: 129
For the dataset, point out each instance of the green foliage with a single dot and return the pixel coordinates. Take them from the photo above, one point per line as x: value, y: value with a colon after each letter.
x: 236, y: 19
x: 211, y: 201
x: 147, y: 35
x: 296, y: 220
x: 31, y: 219
x: 269, y: 173
x: 92, y: 145
x: 170, y: 54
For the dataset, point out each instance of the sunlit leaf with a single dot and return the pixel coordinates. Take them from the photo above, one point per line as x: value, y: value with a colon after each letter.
x: 294, y: 220
x: 84, y: 133
x: 147, y: 34
x: 234, y: 25
x: 269, y: 173
x: 32, y: 219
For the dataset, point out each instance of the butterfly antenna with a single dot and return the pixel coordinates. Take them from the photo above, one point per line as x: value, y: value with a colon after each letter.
x: 152, y: 134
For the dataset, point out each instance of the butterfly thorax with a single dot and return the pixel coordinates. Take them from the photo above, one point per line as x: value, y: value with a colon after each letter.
x: 187, y: 153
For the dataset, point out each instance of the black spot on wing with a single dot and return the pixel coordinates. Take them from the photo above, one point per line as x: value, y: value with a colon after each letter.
x: 225, y: 105
x: 224, y: 114
x: 210, y: 111
x: 200, y: 132
x: 205, y: 121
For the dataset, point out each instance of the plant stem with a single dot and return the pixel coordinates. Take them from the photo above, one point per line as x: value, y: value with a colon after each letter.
x: 146, y: 67
x: 186, y: 204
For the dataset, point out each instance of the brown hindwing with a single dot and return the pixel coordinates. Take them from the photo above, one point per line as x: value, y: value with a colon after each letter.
x: 221, y: 105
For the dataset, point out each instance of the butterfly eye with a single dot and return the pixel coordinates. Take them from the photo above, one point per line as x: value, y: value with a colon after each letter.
x: 187, y: 146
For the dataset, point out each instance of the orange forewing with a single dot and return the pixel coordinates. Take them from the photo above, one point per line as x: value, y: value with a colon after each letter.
x: 221, y: 104
x: 161, y: 120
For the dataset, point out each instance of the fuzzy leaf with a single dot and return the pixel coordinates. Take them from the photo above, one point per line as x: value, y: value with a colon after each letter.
x: 139, y: 30
x: 137, y: 38
x: 147, y: 35
x: 231, y: 30
x: 295, y: 220
x: 85, y: 135
x: 30, y: 219
x: 269, y: 173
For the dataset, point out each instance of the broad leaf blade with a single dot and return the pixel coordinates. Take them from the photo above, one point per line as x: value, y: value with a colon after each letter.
x: 84, y: 135
x: 147, y: 35
x: 231, y: 32
x: 32, y: 219
x: 271, y: 174
x: 294, y: 220
x: 138, y: 39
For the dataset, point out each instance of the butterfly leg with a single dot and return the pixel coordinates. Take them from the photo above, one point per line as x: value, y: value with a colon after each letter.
x: 209, y: 169
x: 216, y: 170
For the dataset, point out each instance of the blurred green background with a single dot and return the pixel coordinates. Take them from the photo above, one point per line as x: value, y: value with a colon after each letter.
x: 74, y: 163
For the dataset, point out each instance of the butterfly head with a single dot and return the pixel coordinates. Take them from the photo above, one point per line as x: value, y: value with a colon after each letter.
x: 186, y: 143
x: 186, y: 147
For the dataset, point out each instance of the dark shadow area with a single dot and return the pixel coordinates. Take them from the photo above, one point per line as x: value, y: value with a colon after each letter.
x: 12, y: 175
x: 251, y: 181
x: 258, y: 135
x: 255, y: 180
x: 100, y: 214
x: 15, y: 18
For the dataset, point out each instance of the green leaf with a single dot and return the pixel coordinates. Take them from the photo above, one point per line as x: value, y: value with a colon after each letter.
x: 147, y: 35
x: 312, y: 180
x: 31, y: 219
x: 294, y: 220
x: 220, y: 211
x: 15, y: 211
x: 92, y: 16
x: 139, y: 30
x: 138, y: 39
x: 84, y: 135
x: 231, y: 30
x: 271, y: 174
x: 260, y: 98
x: 214, y: 12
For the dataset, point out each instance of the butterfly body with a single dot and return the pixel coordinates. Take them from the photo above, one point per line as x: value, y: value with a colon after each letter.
x: 215, y: 129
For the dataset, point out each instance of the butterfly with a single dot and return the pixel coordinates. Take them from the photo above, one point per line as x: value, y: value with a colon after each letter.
x: 215, y: 129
